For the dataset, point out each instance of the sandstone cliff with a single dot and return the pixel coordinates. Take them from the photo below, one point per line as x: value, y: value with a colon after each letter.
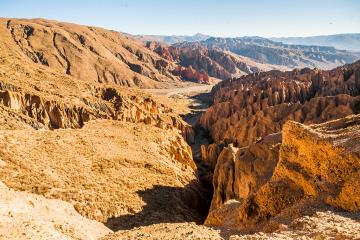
x: 240, y: 172
x: 259, y: 185
x: 318, y: 167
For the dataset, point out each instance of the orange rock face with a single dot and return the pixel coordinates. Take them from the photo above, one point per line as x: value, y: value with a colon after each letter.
x: 270, y: 168
x: 191, y: 74
x: 318, y: 166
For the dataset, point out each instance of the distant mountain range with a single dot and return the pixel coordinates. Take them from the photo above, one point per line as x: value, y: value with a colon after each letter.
x: 232, y: 57
x: 349, y: 41
x: 267, y: 51
x: 171, y: 39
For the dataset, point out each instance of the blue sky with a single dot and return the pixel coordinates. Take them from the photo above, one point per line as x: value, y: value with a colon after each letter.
x: 225, y: 18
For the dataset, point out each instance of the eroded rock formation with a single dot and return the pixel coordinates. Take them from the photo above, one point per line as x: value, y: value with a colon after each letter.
x: 257, y: 105
x: 260, y: 180
x: 240, y: 172
x: 318, y: 166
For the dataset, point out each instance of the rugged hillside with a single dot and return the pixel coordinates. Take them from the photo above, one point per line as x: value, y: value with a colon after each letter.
x: 214, y: 61
x: 116, y: 154
x: 90, y: 168
x: 347, y: 41
x: 84, y: 158
x: 318, y: 169
x: 89, y: 53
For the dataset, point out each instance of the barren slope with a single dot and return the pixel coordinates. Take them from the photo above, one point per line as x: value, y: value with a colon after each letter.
x: 89, y: 53
x: 29, y: 216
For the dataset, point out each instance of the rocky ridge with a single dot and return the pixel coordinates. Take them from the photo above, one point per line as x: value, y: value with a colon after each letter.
x: 91, y: 54
x: 251, y: 107
x: 226, y: 58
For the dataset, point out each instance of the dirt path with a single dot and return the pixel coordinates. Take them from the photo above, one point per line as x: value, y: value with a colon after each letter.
x: 190, y: 90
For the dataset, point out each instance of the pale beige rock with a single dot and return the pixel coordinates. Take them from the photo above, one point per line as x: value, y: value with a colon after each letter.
x: 30, y: 216
x: 167, y: 231
x: 321, y: 225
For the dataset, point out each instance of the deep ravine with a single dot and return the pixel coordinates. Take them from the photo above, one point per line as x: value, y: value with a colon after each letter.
x: 200, y: 103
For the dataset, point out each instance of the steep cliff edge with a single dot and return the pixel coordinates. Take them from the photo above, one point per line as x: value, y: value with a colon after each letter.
x: 269, y: 171
x: 318, y: 167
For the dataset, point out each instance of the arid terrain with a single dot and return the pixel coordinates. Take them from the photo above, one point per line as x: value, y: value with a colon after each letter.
x: 105, y: 137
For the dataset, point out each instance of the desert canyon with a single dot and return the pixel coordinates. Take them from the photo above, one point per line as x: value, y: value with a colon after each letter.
x: 112, y: 136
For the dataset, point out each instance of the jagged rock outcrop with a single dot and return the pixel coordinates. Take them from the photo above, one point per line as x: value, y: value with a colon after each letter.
x: 210, y: 154
x: 254, y: 188
x: 223, y: 179
x: 110, y: 103
x: 240, y: 172
x: 318, y: 167
x: 257, y: 105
